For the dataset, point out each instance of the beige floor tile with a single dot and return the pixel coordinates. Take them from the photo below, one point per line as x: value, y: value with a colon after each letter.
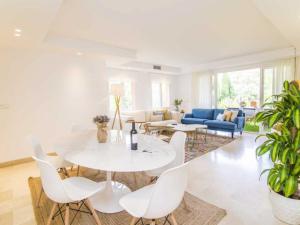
x: 6, y: 218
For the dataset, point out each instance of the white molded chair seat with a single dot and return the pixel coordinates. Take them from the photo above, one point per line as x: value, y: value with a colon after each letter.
x: 78, y: 188
x: 160, y: 199
x: 69, y: 190
x: 178, y: 142
x: 136, y: 202
x: 58, y: 162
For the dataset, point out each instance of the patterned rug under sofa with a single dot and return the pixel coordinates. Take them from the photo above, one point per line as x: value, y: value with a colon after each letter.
x: 201, y: 147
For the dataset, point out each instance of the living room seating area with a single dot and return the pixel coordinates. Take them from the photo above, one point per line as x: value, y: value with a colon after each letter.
x: 209, y: 117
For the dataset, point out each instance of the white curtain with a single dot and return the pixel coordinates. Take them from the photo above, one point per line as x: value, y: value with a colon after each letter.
x: 203, y: 90
x: 283, y: 70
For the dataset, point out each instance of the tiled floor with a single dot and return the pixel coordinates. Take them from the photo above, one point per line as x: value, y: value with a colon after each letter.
x: 227, y: 177
x: 15, y: 200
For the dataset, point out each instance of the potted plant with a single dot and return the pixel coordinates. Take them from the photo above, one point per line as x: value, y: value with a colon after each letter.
x: 101, y: 122
x: 283, y: 146
x: 177, y: 103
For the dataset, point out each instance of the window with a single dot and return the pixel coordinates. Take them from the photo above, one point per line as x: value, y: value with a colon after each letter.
x: 239, y: 88
x: 268, y: 74
x: 126, y: 100
x: 160, y: 94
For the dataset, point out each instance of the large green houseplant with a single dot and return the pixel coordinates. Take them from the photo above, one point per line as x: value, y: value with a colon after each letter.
x: 282, y: 115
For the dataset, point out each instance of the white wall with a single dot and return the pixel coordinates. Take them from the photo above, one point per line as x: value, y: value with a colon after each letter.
x: 45, y: 93
x: 142, y: 83
x: 184, y: 90
x: 297, y: 68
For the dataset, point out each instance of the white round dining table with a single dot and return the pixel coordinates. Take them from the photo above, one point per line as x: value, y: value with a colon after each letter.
x: 115, y: 155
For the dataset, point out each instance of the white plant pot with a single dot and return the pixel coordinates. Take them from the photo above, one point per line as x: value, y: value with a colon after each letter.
x: 285, y: 209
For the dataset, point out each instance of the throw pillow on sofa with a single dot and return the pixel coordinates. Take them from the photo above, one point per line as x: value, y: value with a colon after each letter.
x: 156, y: 116
x: 167, y: 115
x: 227, y: 115
x: 234, y: 115
x: 220, y: 117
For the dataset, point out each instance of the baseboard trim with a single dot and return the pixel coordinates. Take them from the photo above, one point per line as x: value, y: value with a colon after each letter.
x: 16, y: 162
x: 20, y: 161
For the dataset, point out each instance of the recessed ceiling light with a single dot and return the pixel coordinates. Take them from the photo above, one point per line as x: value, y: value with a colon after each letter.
x: 79, y: 53
x: 17, y: 35
x: 18, y: 30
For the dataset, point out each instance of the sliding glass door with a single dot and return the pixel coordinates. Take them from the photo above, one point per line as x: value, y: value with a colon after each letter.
x: 238, y: 88
x: 268, y: 80
x: 248, y: 88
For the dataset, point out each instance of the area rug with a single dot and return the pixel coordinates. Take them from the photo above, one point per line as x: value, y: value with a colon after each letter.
x: 195, y: 212
x: 201, y: 147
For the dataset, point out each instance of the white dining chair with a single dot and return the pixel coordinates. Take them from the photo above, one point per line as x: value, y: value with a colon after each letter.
x: 178, y: 143
x: 160, y: 199
x: 72, y: 190
x: 58, y: 162
x: 78, y: 129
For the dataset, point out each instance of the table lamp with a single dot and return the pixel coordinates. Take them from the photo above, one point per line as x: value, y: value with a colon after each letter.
x: 117, y: 90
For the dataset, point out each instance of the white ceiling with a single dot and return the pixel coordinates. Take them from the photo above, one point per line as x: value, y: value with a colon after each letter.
x: 178, y: 33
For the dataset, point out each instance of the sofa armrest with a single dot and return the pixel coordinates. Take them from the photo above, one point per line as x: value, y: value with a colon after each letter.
x: 188, y: 115
x: 240, y: 121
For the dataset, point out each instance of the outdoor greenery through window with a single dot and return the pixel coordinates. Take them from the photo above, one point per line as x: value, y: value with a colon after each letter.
x: 239, y: 88
x: 246, y: 89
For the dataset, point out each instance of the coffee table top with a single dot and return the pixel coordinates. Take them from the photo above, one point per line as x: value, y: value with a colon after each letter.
x: 187, y: 127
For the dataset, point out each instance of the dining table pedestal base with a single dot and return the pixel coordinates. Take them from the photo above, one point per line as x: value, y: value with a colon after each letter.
x: 107, y: 201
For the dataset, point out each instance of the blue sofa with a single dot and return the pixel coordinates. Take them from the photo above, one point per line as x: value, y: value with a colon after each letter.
x: 208, y: 117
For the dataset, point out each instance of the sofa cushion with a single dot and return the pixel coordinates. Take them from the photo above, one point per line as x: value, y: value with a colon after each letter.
x: 217, y: 112
x: 240, y: 112
x: 193, y: 121
x: 203, y: 113
x: 220, y: 124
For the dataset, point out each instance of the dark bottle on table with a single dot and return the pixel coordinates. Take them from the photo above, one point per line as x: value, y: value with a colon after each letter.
x: 133, y: 137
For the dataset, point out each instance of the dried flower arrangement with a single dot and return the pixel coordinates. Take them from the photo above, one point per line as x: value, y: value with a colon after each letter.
x: 101, y: 119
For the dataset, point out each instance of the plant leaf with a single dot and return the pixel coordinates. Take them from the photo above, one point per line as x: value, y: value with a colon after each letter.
x: 284, y: 155
x: 292, y: 157
x: 263, y: 172
x: 296, y: 118
x: 259, y: 136
x: 290, y: 186
x: 284, y: 172
x: 274, y: 119
x: 274, y: 151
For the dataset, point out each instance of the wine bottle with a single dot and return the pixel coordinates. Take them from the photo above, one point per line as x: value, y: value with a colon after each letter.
x: 133, y: 137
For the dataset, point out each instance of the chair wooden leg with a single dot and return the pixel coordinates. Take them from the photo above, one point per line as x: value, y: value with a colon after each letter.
x: 66, y: 172
x: 173, y: 219
x: 135, y: 179
x: 185, y: 204
x: 93, y: 212
x: 40, y: 197
x: 51, y: 213
x: 152, y: 180
x: 133, y: 221
x: 78, y: 168
x: 67, y: 215
x: 152, y: 222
